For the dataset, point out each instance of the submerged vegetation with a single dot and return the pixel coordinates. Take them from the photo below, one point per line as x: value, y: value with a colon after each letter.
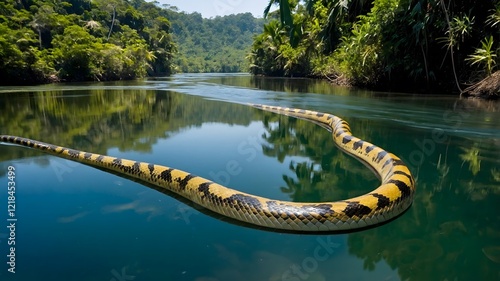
x: 389, y: 44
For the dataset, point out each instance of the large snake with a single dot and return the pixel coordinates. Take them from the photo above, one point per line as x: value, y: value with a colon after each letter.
x: 391, y: 198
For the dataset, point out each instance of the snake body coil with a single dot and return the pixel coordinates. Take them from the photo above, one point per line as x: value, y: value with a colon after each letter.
x: 391, y: 198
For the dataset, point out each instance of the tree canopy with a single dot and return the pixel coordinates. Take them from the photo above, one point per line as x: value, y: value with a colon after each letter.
x: 75, y: 40
x: 218, y: 44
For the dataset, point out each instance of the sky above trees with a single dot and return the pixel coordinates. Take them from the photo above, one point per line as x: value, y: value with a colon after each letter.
x: 213, y: 8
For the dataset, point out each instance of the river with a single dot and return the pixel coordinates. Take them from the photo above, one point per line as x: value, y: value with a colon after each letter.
x: 74, y: 222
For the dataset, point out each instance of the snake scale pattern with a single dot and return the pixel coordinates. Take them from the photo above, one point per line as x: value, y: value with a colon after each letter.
x: 391, y: 198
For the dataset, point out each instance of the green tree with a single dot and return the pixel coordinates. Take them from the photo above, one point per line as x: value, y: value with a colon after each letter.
x: 385, y: 44
x: 74, y: 54
x: 213, y: 45
x: 50, y: 40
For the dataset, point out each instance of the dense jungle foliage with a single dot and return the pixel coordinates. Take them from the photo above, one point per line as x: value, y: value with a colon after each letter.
x: 389, y: 44
x: 98, y: 40
x: 76, y: 40
x: 218, y: 44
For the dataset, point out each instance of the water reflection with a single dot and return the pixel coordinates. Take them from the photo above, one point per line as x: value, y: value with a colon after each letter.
x: 451, y: 232
x: 127, y: 119
x: 453, y: 216
x: 321, y: 172
x: 289, y: 85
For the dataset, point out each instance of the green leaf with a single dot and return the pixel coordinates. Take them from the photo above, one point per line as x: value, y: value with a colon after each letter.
x: 286, y: 14
x: 295, y: 35
x: 268, y: 8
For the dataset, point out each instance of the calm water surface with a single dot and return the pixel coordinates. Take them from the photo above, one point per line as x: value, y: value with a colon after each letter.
x: 75, y: 222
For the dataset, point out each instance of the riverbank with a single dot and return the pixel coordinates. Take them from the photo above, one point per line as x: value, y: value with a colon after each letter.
x: 396, y: 45
x: 488, y: 88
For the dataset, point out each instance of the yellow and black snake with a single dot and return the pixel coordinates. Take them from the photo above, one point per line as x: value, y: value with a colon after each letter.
x: 391, y: 198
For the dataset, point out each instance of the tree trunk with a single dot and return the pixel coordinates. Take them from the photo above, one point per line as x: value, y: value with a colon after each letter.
x: 112, y: 23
